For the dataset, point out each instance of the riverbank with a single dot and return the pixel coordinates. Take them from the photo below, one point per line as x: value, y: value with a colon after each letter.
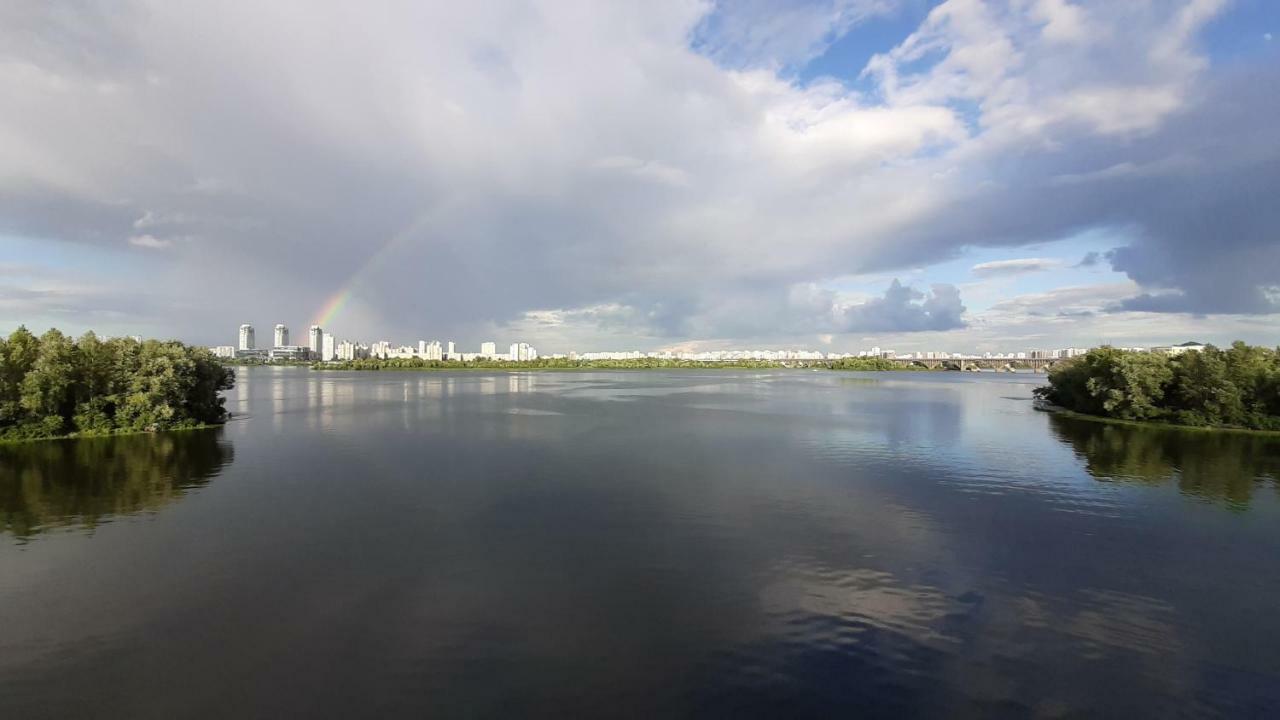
x: 54, y: 386
x: 576, y: 366
x: 1237, y: 388
x: 109, y: 434
x: 1075, y: 415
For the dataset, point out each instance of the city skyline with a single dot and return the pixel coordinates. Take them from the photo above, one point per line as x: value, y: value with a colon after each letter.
x: 681, y: 175
x: 328, y: 347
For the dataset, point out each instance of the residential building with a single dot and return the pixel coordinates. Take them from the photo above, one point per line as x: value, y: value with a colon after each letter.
x: 316, y: 341
x: 289, y: 352
x: 1179, y: 349
x: 281, y: 336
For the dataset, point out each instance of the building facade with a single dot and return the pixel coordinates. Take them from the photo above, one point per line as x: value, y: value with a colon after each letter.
x: 520, y: 352
x: 246, y: 337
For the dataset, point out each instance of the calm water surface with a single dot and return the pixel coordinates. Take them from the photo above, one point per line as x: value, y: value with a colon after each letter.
x: 705, y: 543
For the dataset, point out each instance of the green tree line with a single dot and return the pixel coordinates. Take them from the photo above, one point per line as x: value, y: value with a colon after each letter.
x: 540, y: 363
x: 53, y: 385
x: 631, y: 364
x: 871, y: 364
x: 1237, y: 387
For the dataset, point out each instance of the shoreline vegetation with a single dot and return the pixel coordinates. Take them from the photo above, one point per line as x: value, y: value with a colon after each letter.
x: 855, y: 364
x: 1233, y: 389
x: 53, y: 386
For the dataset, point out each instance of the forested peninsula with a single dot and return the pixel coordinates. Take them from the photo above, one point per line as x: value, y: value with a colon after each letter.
x: 55, y: 386
x: 1234, y: 388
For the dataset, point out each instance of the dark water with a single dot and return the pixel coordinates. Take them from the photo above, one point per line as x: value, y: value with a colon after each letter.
x: 714, y: 544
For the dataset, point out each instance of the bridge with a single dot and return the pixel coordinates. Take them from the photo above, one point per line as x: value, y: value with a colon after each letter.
x: 1037, y: 364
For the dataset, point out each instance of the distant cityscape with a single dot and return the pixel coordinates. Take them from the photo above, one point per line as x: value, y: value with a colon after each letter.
x: 324, y: 347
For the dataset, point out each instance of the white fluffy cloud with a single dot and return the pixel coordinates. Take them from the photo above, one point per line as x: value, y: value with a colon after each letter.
x: 1014, y: 266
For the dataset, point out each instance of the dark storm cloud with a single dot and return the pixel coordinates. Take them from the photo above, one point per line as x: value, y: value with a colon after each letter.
x: 71, y: 303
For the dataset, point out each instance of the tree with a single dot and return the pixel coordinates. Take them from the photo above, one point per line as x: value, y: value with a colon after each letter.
x: 17, y: 356
x: 54, y: 386
x: 1238, y: 387
x: 48, y: 389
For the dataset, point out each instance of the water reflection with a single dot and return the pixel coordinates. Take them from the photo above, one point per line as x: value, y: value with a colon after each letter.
x: 84, y: 482
x: 1222, y: 466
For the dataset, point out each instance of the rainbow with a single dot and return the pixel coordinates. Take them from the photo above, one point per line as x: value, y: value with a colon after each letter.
x: 332, y: 306
x: 342, y: 298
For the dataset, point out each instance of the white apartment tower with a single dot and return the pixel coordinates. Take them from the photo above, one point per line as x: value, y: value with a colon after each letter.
x: 246, y: 337
x: 489, y: 349
x: 282, y: 336
x: 328, y: 347
x: 315, y: 344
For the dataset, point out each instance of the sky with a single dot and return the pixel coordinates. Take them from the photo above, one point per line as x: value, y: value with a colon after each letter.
x: 829, y: 174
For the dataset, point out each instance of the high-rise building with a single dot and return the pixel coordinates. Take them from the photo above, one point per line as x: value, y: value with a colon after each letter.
x: 282, y: 336
x: 328, y: 347
x: 452, y: 352
x: 489, y: 349
x: 246, y: 337
x: 315, y: 337
x: 522, y: 351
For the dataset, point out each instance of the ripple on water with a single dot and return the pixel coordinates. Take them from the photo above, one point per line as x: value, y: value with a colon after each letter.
x: 838, y: 636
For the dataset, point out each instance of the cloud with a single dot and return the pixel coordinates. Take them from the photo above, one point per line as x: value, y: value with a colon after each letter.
x: 754, y: 33
x: 905, y: 309
x: 150, y: 241
x: 457, y: 170
x: 74, y: 307
x: 1018, y: 266
x: 1063, y: 302
x: 648, y: 169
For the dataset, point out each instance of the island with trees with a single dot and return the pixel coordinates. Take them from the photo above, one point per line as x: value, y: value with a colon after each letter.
x: 55, y: 386
x: 1238, y: 387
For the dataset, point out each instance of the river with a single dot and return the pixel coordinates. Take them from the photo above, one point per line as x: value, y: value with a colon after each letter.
x: 641, y: 544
